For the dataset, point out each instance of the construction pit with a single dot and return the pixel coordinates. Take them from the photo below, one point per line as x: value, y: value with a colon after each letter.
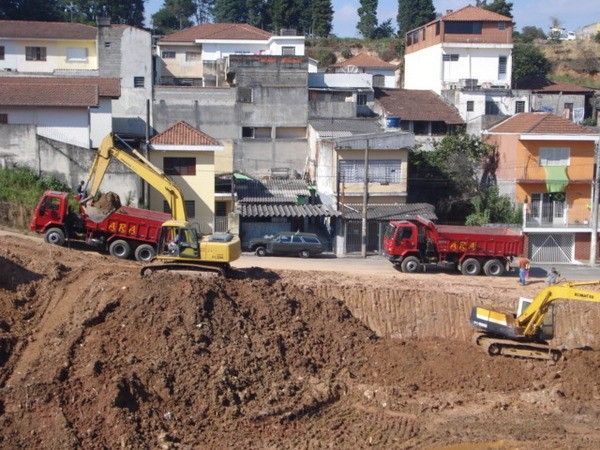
x: 92, y: 355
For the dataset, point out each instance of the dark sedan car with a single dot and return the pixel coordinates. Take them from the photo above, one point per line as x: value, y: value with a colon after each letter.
x: 301, y: 244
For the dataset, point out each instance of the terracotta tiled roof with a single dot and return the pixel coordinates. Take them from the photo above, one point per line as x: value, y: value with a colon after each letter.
x: 366, y: 60
x: 182, y: 133
x: 45, y: 30
x: 232, y: 31
x: 539, y: 123
x: 25, y: 94
x: 474, y: 13
x: 564, y: 87
x: 107, y: 87
x: 412, y: 104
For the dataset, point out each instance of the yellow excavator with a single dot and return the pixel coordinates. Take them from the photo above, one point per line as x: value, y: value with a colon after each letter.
x: 180, y: 246
x: 526, y: 333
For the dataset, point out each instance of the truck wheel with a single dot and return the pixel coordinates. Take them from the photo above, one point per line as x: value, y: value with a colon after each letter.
x: 55, y: 236
x: 410, y: 264
x: 120, y: 249
x: 493, y: 268
x: 260, y: 251
x: 471, y: 266
x: 144, y: 253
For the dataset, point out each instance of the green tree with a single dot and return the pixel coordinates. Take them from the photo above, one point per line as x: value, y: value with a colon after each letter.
x: 529, y: 64
x: 413, y: 14
x: 383, y: 30
x: 367, y: 18
x: 31, y: 10
x: 322, y: 18
x: 531, y: 33
x: 491, y: 207
x: 182, y: 10
x: 230, y: 11
x: 258, y: 13
x: 499, y: 6
x: 130, y: 12
x: 203, y: 10
x: 165, y: 22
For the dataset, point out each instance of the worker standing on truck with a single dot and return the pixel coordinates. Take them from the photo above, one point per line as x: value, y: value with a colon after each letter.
x: 524, y: 265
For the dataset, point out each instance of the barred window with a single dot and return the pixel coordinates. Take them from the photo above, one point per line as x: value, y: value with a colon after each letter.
x: 380, y: 171
x: 189, y: 205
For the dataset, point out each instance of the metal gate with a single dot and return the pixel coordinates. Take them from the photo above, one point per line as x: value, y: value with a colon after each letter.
x: 551, y: 248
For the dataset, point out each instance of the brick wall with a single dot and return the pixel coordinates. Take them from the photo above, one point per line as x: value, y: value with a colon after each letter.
x: 582, y: 246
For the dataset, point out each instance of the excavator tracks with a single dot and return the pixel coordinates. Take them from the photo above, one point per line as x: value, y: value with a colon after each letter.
x: 516, y: 349
x: 222, y: 269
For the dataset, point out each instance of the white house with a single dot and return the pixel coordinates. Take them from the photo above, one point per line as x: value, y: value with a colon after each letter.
x: 383, y: 74
x: 468, y: 48
x: 73, y: 110
x: 195, y: 55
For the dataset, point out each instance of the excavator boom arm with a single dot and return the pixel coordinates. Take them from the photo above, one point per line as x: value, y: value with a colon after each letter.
x: 532, y: 318
x: 141, y: 167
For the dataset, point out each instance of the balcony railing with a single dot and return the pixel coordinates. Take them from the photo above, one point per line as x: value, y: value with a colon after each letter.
x: 545, y: 216
x: 221, y: 224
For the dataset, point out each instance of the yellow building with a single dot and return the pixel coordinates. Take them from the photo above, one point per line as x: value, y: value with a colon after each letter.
x: 47, y: 47
x: 187, y: 155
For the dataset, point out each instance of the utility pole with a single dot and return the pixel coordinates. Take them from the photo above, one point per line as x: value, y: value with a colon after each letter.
x: 363, y: 247
x: 595, y: 198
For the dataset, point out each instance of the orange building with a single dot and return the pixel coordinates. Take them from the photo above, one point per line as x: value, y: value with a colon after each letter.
x: 546, y: 163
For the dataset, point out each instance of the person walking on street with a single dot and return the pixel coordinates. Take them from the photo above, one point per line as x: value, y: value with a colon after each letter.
x: 524, y: 265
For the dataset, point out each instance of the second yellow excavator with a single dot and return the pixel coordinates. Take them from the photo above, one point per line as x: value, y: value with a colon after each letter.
x: 526, y: 333
x: 180, y: 246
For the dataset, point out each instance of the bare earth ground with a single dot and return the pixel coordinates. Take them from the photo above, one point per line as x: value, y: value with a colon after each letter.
x: 94, y: 356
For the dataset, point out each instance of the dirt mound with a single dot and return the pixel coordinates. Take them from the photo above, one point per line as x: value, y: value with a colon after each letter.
x: 107, y: 202
x: 104, y: 358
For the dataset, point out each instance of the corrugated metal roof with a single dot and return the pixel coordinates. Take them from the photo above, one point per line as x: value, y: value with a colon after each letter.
x: 400, y: 211
x: 332, y: 128
x: 270, y: 191
x: 284, y: 210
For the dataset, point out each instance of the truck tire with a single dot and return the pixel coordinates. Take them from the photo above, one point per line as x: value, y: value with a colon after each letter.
x: 55, y: 236
x: 410, y: 264
x: 471, y: 266
x: 144, y: 253
x: 120, y: 249
x: 493, y: 268
x: 260, y: 251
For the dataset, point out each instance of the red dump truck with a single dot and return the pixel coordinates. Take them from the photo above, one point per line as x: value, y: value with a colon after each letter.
x: 122, y: 232
x: 412, y: 244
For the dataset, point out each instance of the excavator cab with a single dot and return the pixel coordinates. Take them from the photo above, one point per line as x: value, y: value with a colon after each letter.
x: 178, y: 241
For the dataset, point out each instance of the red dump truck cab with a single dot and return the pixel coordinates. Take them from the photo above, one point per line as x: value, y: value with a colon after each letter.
x: 411, y: 245
x: 123, y: 233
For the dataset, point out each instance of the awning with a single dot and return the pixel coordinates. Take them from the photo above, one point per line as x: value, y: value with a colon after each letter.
x: 285, y: 210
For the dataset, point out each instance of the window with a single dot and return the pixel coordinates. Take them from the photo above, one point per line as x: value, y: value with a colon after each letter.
x: 450, y: 57
x: 470, y: 106
x: 290, y: 133
x: 220, y: 209
x: 179, y: 166
x: 168, y: 54
x: 555, y: 156
x: 519, y: 106
x: 193, y: 56
x: 288, y: 51
x: 420, y: 127
x: 256, y: 132
x: 310, y: 240
x: 437, y: 28
x: 77, y: 54
x: 361, y: 99
x: 35, y: 53
x: 189, y: 205
x: 413, y: 37
x: 491, y: 108
x: 463, y: 27
x: 107, y: 45
x: 502, y: 68
x: 568, y: 111
x: 502, y: 25
x: 244, y: 94
x: 378, y: 81
x: 138, y: 82
x: 1, y: 52
x: 439, y: 128
x: 3, y: 118
x: 380, y: 171
x: 423, y: 33
x: 296, y: 240
x: 284, y: 239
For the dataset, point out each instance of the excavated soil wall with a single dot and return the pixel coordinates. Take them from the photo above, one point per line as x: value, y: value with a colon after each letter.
x: 94, y: 356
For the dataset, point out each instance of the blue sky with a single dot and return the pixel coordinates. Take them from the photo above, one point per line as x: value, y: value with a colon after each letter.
x: 526, y: 12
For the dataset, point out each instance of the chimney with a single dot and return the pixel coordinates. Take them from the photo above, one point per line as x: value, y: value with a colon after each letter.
x: 103, y: 21
x: 448, y: 11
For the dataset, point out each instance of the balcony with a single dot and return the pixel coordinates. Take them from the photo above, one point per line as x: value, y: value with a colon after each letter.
x: 553, y: 215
